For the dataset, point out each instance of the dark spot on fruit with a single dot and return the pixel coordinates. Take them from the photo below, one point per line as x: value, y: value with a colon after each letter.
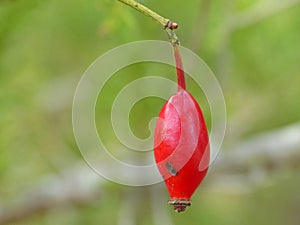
x: 171, y: 169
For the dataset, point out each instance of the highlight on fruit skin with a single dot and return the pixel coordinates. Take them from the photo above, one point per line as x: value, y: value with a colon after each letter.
x: 181, y: 145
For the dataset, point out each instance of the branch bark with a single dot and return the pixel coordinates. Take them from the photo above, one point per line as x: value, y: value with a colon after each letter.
x: 253, y: 161
x: 250, y: 161
x: 75, y: 186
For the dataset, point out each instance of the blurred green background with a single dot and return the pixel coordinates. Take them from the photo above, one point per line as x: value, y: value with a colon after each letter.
x: 45, y: 47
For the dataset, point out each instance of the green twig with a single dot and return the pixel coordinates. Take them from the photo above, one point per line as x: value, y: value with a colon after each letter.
x: 167, y: 24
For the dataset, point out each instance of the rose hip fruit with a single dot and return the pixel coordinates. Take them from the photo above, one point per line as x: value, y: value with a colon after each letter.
x: 181, y: 143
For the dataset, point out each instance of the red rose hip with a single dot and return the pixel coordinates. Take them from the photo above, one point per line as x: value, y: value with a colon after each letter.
x: 181, y: 144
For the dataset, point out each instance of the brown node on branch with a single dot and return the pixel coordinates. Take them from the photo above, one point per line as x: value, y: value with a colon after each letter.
x: 172, y: 25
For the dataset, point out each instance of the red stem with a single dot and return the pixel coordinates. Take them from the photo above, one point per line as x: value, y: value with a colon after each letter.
x: 179, y: 68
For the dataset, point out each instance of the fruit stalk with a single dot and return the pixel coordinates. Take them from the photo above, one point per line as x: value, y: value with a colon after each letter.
x: 179, y: 68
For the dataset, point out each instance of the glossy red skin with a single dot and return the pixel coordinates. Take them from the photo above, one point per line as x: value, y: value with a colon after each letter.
x: 180, y: 144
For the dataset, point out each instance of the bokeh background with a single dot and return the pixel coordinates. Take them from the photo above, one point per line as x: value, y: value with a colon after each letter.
x: 45, y: 47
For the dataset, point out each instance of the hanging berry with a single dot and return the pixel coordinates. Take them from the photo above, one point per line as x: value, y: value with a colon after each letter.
x: 181, y: 144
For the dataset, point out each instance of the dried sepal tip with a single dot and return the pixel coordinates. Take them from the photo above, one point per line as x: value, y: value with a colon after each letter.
x: 180, y: 204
